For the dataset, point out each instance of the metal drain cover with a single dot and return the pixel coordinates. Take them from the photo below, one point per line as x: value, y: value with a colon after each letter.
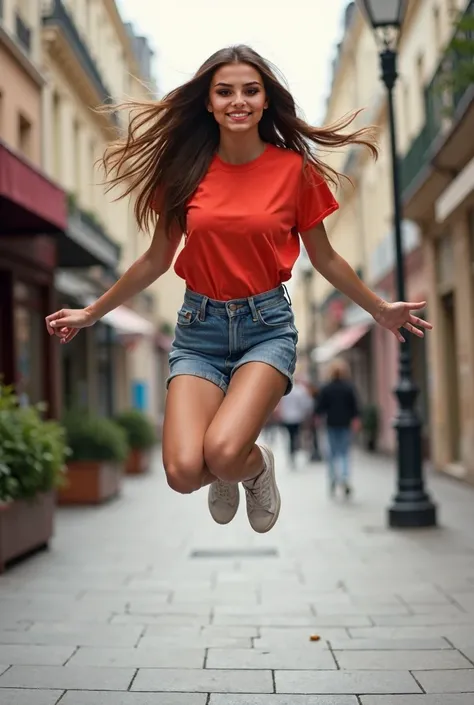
x: 235, y: 553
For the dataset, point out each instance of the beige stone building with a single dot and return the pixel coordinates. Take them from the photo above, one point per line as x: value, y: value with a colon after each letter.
x: 436, y: 148
x: 90, y: 57
x: 32, y: 212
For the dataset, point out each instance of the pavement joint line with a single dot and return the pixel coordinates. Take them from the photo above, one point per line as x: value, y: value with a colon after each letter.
x: 71, y: 656
x: 412, y: 673
x: 132, y: 680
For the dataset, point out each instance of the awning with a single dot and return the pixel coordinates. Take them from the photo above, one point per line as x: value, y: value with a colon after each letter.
x: 342, y: 340
x: 127, y: 322
x: 29, y: 202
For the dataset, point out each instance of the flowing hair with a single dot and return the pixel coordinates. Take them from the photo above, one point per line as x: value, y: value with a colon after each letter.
x: 170, y: 143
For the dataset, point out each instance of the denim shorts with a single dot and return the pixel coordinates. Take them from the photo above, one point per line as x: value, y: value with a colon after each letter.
x: 214, y: 338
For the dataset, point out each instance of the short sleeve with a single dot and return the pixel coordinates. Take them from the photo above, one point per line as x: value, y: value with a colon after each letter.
x: 315, y: 200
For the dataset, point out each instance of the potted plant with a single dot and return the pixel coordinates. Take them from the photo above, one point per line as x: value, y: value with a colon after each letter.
x: 95, y: 469
x: 32, y: 457
x: 370, y: 425
x: 141, y: 437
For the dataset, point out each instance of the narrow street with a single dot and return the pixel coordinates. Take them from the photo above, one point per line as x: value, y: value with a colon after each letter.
x: 147, y: 602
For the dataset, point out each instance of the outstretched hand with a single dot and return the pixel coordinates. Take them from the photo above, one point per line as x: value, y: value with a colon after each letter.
x: 394, y: 316
x: 67, y: 322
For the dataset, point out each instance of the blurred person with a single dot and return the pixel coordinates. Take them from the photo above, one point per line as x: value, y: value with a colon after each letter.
x: 226, y: 162
x: 339, y: 405
x: 294, y: 409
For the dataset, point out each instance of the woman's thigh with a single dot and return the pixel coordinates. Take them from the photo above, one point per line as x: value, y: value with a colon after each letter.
x: 191, y: 405
x: 254, y: 391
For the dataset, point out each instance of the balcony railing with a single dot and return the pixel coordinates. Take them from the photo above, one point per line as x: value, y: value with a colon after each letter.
x: 57, y: 15
x: 442, y: 97
x: 23, y: 33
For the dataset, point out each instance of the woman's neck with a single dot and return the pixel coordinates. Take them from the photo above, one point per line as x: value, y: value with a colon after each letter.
x: 239, y: 149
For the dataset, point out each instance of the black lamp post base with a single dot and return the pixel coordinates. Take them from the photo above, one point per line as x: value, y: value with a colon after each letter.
x: 412, y: 515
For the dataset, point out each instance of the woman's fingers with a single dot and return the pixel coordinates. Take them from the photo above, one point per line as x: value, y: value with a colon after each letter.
x: 420, y: 322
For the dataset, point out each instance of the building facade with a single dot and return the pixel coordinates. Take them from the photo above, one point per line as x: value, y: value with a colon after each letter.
x: 33, y: 213
x: 90, y: 60
x: 59, y: 61
x: 362, y: 230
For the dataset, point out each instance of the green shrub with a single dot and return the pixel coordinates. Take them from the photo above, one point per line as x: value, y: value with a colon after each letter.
x: 139, y: 429
x: 32, y: 451
x: 95, y: 438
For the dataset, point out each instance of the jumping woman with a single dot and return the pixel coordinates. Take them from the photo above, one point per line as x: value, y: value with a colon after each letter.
x: 225, y: 162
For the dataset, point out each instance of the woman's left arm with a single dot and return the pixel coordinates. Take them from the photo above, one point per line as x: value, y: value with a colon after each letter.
x: 340, y: 274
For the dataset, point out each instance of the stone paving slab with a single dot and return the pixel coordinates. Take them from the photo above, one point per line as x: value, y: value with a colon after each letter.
x: 350, y: 682
x: 282, y: 659
x: 139, y: 658
x: 194, y: 642
x: 67, y: 677
x: 27, y: 655
x: 9, y: 696
x: 401, y: 660
x: 205, y: 681
x: 446, y: 681
x: 283, y: 700
x: 390, y: 644
x: 101, y: 698
x: 467, y: 699
x: 64, y: 634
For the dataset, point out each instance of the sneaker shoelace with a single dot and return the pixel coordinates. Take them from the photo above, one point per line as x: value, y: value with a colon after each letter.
x: 224, y: 491
x: 260, y: 494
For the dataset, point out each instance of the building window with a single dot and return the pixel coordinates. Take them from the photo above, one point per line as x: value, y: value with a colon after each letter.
x: 57, y: 137
x: 24, y: 135
x: 23, y: 32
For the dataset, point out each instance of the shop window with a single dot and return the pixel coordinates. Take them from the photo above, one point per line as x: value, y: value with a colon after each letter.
x: 29, y: 333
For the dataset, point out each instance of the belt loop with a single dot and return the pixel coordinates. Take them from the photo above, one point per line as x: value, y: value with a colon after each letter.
x: 287, y: 294
x: 202, y: 310
x: 253, y: 308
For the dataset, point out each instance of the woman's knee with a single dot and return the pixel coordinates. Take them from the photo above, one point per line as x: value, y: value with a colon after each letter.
x: 184, y: 475
x: 223, y: 458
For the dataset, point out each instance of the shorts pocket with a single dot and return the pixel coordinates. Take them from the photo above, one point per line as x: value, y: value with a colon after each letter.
x: 187, y: 316
x: 276, y: 316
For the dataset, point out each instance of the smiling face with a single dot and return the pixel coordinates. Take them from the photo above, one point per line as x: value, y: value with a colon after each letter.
x: 237, y: 97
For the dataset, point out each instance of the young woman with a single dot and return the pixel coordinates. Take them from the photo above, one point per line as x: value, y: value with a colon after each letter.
x: 225, y: 161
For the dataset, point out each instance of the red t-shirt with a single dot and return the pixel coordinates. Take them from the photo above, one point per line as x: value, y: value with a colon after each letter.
x: 243, y: 222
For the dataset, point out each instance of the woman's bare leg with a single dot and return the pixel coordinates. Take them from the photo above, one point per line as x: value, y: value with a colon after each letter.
x: 191, y: 405
x: 230, y: 452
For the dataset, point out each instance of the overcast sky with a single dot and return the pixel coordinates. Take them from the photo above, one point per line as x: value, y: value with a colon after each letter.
x: 299, y: 36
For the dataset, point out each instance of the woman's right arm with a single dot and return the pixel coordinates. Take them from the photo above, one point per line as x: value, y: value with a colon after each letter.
x: 143, y: 272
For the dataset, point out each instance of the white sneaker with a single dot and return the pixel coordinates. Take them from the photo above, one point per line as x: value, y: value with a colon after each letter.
x: 223, y: 500
x: 263, y: 497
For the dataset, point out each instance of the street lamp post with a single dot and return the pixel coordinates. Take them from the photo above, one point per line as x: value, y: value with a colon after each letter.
x: 411, y: 506
x: 308, y: 275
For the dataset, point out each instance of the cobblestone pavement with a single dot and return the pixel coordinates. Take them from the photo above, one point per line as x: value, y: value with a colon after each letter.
x: 146, y: 601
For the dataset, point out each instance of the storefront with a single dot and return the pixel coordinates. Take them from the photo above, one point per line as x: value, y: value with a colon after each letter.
x: 32, y: 213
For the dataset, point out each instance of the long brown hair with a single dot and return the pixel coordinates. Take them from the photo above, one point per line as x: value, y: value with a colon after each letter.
x: 170, y: 143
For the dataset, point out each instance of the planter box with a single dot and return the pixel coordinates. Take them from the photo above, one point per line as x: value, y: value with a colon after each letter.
x: 91, y: 482
x: 138, y: 462
x: 25, y: 526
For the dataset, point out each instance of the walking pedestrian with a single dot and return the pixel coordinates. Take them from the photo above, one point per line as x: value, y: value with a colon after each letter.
x: 339, y: 405
x: 294, y: 409
x: 225, y: 161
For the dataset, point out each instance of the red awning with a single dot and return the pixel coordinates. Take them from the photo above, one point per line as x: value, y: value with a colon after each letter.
x: 29, y: 201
